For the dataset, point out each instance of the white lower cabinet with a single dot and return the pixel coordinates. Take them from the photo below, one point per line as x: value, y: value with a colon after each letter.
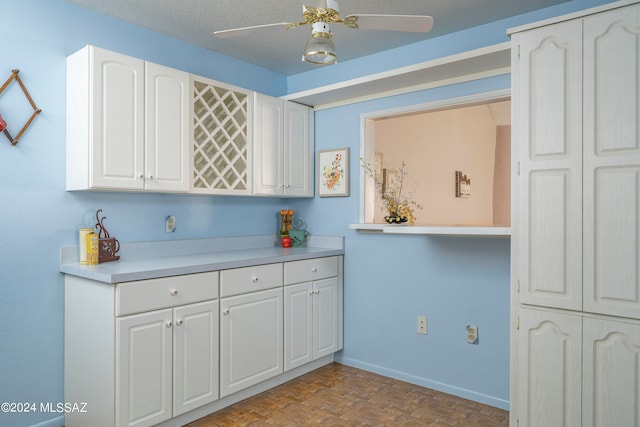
x: 579, y: 370
x: 143, y: 352
x: 311, y: 312
x: 167, y: 364
x: 311, y: 321
x: 250, y: 339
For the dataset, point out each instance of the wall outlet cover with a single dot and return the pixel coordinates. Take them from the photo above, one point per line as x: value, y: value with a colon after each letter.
x: 422, y: 325
x: 170, y: 224
x: 472, y: 334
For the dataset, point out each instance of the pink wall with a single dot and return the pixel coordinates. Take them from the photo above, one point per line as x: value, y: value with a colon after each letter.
x: 436, y: 144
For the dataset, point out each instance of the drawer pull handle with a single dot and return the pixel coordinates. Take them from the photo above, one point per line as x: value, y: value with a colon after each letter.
x: 226, y: 311
x: 169, y: 324
x: 254, y: 279
x: 313, y: 269
x: 179, y: 322
x: 174, y: 292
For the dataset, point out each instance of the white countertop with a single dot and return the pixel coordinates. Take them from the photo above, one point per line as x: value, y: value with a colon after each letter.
x: 148, y: 260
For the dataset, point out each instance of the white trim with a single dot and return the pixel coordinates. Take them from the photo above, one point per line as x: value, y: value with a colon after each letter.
x: 480, y: 63
x: 435, y: 230
x: 426, y: 382
x: 570, y: 16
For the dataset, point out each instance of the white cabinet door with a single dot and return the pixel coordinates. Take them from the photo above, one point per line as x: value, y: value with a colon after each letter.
x: 167, y: 136
x: 144, y: 368
x: 116, y: 113
x: 550, y: 369
x: 127, y: 123
x: 283, y: 147
x: 612, y: 162
x: 298, y: 325
x: 268, y: 146
x: 611, y: 373
x: 195, y: 361
x: 251, y: 345
x: 310, y: 321
x: 298, y: 150
x: 325, y: 317
x: 548, y: 236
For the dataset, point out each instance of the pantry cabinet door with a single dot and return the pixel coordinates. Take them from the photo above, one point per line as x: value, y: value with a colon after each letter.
x: 548, y: 235
x: 611, y: 373
x: 144, y: 368
x: 612, y: 162
x: 550, y: 368
x: 195, y: 358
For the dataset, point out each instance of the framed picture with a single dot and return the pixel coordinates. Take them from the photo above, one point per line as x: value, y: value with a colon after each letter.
x: 333, y: 172
x: 463, y: 185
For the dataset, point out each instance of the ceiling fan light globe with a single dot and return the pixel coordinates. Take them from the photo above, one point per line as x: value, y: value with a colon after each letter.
x: 320, y: 48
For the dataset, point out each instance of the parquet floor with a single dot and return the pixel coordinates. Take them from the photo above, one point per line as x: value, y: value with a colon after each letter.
x: 339, y: 395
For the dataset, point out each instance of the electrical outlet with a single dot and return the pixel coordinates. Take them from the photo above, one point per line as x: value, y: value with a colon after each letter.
x: 170, y: 224
x: 422, y: 325
x: 472, y: 334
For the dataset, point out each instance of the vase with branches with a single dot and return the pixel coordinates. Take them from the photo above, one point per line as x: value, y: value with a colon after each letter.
x: 395, y: 200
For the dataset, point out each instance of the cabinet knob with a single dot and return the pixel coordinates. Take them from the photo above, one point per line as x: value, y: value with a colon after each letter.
x: 179, y: 322
x: 311, y: 292
x: 254, y: 279
x: 226, y: 311
x: 151, y: 177
x: 141, y: 176
x: 169, y: 324
x: 317, y: 291
x: 314, y: 270
x: 174, y: 292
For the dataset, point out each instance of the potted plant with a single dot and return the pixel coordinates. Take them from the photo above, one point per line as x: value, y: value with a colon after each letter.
x: 398, y: 205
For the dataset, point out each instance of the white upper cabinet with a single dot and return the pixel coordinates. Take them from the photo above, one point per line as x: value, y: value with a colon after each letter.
x: 127, y: 123
x: 222, y: 144
x: 167, y: 135
x: 283, y: 147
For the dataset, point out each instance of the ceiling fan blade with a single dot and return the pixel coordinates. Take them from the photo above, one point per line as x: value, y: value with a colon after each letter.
x: 408, y: 23
x: 234, y: 32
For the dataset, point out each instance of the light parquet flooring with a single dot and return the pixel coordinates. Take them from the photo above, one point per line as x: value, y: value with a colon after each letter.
x: 339, y: 395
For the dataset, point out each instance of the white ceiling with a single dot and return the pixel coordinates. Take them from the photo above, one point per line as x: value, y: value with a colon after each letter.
x: 279, y: 49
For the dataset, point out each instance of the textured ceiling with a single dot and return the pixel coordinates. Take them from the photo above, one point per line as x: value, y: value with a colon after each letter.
x: 279, y: 49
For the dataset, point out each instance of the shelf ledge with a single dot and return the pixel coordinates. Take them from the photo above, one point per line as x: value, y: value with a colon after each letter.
x: 442, y: 230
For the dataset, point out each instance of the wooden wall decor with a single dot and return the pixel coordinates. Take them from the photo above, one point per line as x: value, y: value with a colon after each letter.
x: 3, y: 125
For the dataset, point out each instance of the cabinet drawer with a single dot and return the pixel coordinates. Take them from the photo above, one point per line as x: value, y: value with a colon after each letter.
x: 250, y: 279
x: 152, y: 294
x: 310, y: 269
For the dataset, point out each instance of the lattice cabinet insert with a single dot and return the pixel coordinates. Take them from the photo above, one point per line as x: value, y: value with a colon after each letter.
x: 222, y: 117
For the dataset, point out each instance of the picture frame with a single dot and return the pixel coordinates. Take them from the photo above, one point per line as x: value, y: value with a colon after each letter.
x: 463, y: 185
x: 333, y: 172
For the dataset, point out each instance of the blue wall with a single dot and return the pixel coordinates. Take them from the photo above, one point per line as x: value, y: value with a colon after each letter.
x: 389, y: 280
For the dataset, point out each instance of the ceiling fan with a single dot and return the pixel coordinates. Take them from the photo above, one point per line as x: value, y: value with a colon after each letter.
x: 320, y: 48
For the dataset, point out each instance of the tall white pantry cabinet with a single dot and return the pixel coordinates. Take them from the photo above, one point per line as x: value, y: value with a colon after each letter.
x: 575, y: 335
